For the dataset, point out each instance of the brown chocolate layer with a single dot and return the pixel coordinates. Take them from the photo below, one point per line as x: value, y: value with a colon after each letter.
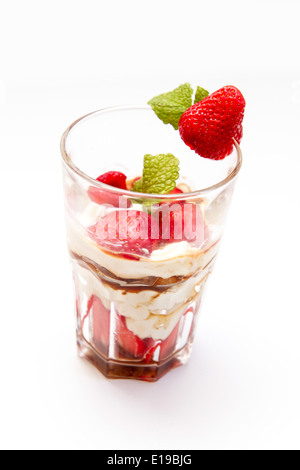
x: 133, y: 285
x: 152, y: 283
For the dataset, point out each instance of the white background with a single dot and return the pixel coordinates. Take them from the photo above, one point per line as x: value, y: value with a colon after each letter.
x: 241, y: 388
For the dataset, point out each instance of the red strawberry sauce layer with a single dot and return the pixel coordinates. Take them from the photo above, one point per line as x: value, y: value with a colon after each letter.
x: 181, y: 221
x: 132, y: 232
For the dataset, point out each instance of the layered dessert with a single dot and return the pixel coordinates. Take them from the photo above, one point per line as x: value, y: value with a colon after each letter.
x: 139, y: 307
x: 142, y: 248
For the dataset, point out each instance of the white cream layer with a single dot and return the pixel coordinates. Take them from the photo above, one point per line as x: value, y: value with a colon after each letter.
x: 148, y: 313
x: 139, y: 305
x: 175, y: 259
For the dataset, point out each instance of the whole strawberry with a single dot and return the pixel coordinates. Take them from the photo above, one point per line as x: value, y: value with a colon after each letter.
x: 209, y: 126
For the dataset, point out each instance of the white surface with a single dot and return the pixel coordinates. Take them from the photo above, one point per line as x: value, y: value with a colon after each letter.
x: 241, y: 388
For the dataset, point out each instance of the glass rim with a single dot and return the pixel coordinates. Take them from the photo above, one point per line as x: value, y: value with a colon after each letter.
x: 133, y: 194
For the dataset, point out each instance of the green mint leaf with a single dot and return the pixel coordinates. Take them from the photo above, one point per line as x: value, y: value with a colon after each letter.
x: 200, y: 94
x: 159, y: 175
x: 138, y: 186
x: 169, y: 107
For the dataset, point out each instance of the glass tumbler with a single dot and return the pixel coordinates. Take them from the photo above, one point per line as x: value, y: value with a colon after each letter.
x: 140, y: 262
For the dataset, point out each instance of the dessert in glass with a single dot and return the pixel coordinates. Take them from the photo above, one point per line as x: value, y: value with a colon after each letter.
x: 142, y: 242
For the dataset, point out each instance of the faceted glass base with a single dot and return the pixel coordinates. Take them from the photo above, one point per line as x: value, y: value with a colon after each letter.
x: 106, y: 340
x: 114, y: 369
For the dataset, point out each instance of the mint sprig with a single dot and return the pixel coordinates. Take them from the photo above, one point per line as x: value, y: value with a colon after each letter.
x: 200, y: 94
x: 169, y: 107
x: 160, y: 174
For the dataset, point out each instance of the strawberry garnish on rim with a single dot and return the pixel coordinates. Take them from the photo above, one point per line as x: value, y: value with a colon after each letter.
x: 209, y: 126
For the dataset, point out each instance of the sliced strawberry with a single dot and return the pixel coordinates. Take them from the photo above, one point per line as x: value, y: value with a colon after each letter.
x: 132, y: 232
x: 100, y: 196
x: 113, y: 178
x: 130, y: 183
x: 181, y: 221
x: 132, y: 345
x: 176, y: 191
x: 209, y: 126
x: 101, y: 325
x: 168, y: 345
